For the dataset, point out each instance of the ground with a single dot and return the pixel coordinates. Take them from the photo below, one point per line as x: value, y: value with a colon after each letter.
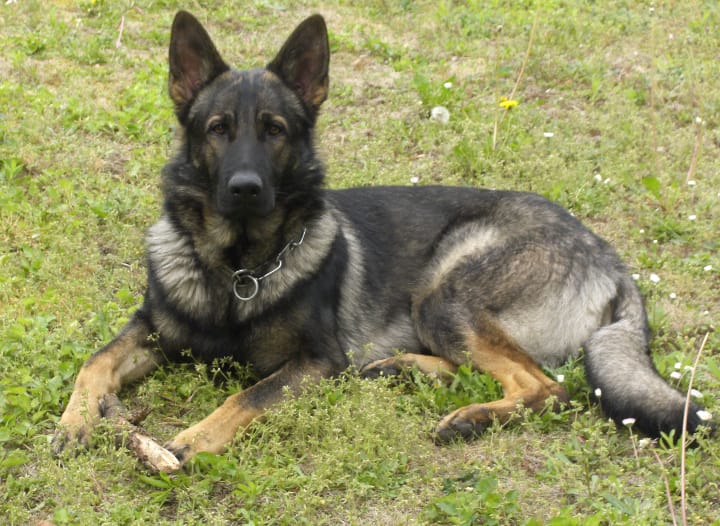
x: 616, y: 119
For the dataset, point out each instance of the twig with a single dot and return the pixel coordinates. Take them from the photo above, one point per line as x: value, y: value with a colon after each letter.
x: 696, y: 151
x: 683, y: 503
x: 118, y: 42
x: 145, y: 448
x: 667, y: 487
x: 527, y: 56
x: 499, y: 121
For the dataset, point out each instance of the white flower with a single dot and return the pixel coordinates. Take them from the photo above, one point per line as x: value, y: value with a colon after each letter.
x: 695, y: 393
x: 644, y: 442
x: 636, y: 277
x: 447, y: 85
x: 606, y: 181
x: 642, y: 230
x: 561, y: 378
x: 414, y: 179
x: 654, y: 278
x: 691, y: 182
x: 598, y: 392
x: 628, y: 421
x: 548, y: 134
x: 654, y: 241
x: 673, y: 295
x: 707, y: 268
x: 440, y: 114
x: 676, y: 375
x: 692, y: 217
x: 688, y: 368
x: 698, y: 120
x: 598, y: 177
x: 678, y: 365
x: 704, y: 415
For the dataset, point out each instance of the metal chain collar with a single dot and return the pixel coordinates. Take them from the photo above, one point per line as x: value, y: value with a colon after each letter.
x: 244, y: 277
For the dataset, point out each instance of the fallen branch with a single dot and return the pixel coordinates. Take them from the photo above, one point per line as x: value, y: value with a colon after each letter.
x: 127, y: 433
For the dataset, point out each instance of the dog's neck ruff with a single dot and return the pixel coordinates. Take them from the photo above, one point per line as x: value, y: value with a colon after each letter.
x: 250, y: 278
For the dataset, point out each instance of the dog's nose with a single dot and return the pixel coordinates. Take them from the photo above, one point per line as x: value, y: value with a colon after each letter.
x: 245, y: 186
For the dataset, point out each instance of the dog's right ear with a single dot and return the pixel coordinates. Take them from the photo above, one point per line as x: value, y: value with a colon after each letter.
x: 194, y: 62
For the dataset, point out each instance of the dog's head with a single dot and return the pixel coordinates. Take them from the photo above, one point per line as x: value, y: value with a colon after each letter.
x: 248, y: 134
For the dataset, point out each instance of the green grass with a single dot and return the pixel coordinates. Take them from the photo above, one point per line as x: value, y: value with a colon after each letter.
x: 606, y: 125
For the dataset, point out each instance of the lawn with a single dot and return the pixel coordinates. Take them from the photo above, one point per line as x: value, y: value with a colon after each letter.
x: 609, y: 108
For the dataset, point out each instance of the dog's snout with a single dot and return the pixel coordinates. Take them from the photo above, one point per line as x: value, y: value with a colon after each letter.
x: 245, y: 185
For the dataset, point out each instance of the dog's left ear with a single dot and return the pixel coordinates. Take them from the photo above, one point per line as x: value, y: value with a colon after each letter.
x: 303, y: 62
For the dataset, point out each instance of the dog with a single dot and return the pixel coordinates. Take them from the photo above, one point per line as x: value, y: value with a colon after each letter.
x: 254, y: 260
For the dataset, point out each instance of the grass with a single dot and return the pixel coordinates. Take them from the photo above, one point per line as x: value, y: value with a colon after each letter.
x: 617, y: 120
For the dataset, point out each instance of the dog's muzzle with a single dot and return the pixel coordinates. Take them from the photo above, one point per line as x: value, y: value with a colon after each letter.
x: 246, y: 194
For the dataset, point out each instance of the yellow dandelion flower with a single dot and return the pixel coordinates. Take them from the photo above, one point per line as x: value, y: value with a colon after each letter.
x: 508, y: 103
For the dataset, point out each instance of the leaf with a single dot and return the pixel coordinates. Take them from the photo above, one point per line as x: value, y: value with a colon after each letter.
x: 652, y: 185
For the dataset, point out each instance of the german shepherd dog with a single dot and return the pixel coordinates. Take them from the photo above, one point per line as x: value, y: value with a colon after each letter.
x: 253, y: 260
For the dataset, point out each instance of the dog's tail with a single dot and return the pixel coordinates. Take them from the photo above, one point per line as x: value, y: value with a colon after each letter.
x: 618, y: 363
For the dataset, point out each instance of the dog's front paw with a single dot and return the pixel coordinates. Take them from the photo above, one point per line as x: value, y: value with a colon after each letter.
x: 190, y: 442
x: 75, y: 426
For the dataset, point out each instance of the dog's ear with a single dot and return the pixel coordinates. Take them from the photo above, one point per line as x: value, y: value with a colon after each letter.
x: 194, y: 62
x: 303, y: 62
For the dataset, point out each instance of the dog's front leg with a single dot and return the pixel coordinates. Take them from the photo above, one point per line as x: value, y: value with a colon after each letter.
x: 215, y: 432
x: 129, y: 357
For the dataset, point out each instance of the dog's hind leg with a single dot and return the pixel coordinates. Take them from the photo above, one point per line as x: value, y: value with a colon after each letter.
x: 449, y: 330
x: 523, y: 383
x: 434, y: 366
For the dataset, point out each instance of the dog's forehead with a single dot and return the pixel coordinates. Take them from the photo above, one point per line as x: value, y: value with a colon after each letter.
x: 246, y: 92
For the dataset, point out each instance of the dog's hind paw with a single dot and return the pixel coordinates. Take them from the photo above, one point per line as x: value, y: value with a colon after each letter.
x: 466, y: 423
x: 380, y: 368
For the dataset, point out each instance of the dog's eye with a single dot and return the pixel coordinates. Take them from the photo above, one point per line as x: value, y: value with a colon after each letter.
x: 273, y: 130
x: 217, y: 128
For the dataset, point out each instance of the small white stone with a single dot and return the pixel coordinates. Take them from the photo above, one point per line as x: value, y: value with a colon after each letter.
x: 440, y: 114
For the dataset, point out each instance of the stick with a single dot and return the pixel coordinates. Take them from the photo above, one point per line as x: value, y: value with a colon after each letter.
x: 145, y: 448
x: 683, y: 496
